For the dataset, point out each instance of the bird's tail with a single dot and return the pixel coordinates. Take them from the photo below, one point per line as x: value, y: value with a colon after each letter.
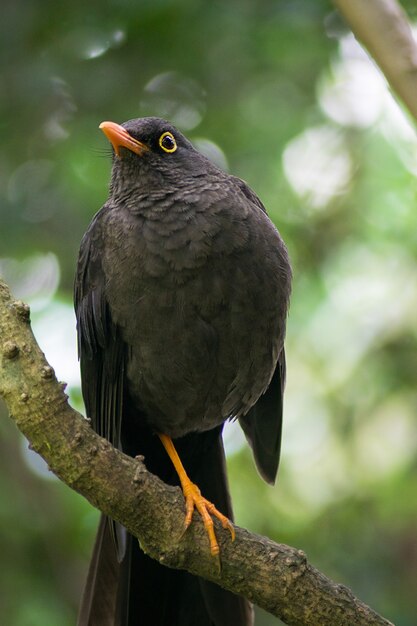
x: 139, y: 591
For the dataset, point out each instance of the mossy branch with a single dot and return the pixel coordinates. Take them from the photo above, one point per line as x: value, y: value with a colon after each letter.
x: 276, y: 577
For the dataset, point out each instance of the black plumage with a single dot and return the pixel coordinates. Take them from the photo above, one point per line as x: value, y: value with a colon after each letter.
x: 181, y: 298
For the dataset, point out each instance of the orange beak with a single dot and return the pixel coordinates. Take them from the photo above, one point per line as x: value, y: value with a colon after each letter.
x: 119, y: 137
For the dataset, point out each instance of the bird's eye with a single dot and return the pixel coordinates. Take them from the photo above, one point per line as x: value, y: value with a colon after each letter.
x: 167, y: 142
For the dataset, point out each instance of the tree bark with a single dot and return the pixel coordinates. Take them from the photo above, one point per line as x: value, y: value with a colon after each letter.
x: 384, y: 30
x: 276, y: 577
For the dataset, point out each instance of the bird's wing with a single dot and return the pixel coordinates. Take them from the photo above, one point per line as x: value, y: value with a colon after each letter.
x: 100, y: 346
x: 101, y: 352
x: 262, y: 425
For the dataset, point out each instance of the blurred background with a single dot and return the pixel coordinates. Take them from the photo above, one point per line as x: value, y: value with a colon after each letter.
x: 280, y: 94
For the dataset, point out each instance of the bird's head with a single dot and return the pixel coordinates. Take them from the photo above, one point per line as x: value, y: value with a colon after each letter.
x: 151, y: 153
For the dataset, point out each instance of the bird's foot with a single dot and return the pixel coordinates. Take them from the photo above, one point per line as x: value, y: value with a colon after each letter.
x: 194, y: 500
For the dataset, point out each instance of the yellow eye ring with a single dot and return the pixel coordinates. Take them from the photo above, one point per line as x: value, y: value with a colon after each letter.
x: 167, y: 142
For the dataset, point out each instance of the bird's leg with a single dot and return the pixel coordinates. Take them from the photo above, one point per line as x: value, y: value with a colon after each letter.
x: 194, y: 499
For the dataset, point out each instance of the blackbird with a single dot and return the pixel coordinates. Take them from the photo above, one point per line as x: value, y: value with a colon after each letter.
x: 181, y: 297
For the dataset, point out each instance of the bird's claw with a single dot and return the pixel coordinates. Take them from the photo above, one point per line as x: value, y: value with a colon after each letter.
x: 194, y: 499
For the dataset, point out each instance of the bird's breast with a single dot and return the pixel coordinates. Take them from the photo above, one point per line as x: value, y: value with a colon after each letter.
x: 198, y: 307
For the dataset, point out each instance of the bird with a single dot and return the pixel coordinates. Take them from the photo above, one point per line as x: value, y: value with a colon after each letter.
x: 181, y: 297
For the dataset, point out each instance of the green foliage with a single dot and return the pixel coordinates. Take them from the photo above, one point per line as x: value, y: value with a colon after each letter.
x: 278, y: 91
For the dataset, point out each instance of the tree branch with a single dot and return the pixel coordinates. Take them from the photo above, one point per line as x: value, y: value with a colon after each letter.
x: 383, y: 28
x: 276, y: 577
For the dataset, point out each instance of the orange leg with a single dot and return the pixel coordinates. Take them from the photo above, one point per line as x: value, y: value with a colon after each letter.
x: 194, y: 499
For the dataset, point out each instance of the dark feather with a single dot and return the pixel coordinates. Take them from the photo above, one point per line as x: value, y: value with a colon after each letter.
x: 262, y: 425
x: 181, y: 297
x: 98, y: 604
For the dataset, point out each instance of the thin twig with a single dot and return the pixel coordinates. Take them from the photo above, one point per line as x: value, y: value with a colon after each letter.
x: 384, y: 30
